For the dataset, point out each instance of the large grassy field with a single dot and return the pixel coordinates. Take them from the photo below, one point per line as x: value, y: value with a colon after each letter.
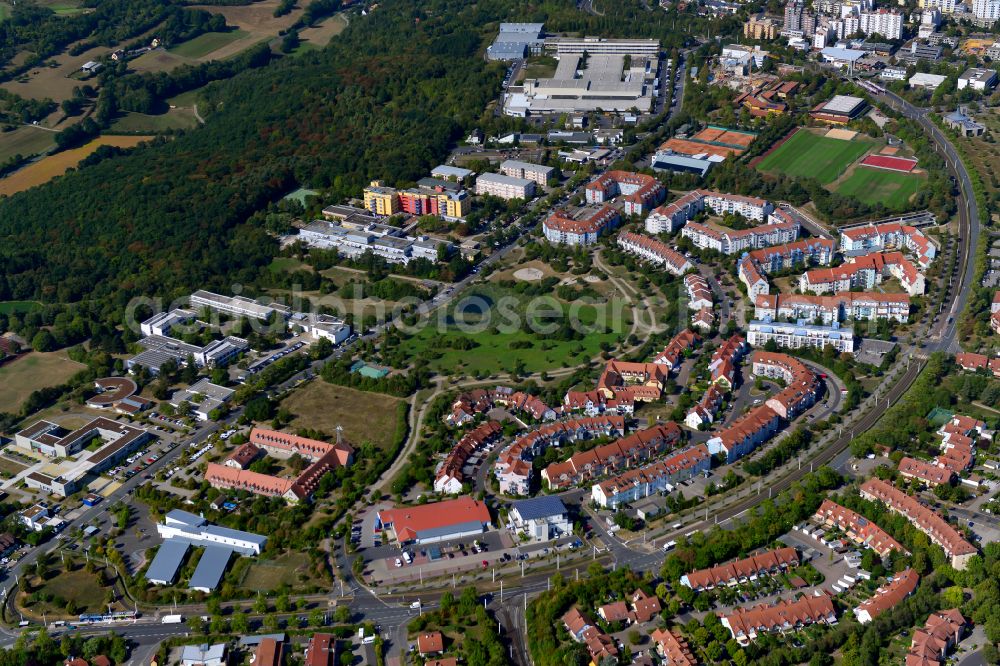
x: 56, y: 165
x: 146, y: 123
x: 322, y: 406
x: 873, y: 186
x: 17, y: 307
x: 206, y: 43
x: 810, y: 155
x: 85, y: 590
x: 31, y: 372
x: 291, y: 569
x: 501, y: 350
x: 25, y: 141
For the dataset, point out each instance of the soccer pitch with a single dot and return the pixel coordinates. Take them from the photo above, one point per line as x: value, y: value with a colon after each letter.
x: 873, y: 186
x: 809, y: 155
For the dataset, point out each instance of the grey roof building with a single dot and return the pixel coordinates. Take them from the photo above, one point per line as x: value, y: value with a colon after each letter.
x: 210, y: 568
x: 163, y: 570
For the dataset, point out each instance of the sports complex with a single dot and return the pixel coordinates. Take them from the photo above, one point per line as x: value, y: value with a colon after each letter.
x: 848, y: 163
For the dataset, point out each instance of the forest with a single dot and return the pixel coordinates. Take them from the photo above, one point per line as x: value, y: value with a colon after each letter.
x: 386, y: 100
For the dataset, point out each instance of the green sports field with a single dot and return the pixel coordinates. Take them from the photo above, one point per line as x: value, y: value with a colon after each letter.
x: 809, y: 155
x: 873, y: 186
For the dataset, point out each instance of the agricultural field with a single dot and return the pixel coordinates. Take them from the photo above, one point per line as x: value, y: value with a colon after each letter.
x: 154, y: 123
x: 323, y: 406
x: 26, y: 140
x: 808, y: 154
x: 158, y: 60
x: 204, y: 44
x: 56, y: 165
x: 871, y: 186
x: 4, y: 11
x: 320, y: 35
x: 56, y: 82
x: 33, y: 371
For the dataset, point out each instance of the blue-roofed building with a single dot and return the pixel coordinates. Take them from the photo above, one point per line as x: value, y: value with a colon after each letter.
x: 210, y: 568
x: 696, y: 164
x: 541, y: 518
x: 168, y: 560
x: 516, y: 41
x: 191, y: 529
x: 801, y: 334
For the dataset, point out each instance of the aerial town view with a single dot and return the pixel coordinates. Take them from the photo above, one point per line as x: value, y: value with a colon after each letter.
x: 568, y: 333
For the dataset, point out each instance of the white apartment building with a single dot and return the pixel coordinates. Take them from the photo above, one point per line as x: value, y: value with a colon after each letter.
x: 883, y: 22
x: 801, y: 334
x: 163, y: 322
x: 986, y: 11
x: 944, y: 6
x: 732, y: 242
x: 751, y: 208
x: 538, y: 173
x: 977, y: 78
x: 505, y: 187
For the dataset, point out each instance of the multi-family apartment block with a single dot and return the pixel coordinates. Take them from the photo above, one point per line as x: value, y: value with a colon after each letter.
x: 728, y: 241
x: 680, y: 345
x: 563, y: 229
x: 864, y: 272
x: 641, y: 192
x: 655, y: 251
x: 480, y: 401
x: 505, y: 187
x: 889, y: 236
x: 801, y: 334
x: 761, y: 27
x: 828, y: 309
x: 539, y: 173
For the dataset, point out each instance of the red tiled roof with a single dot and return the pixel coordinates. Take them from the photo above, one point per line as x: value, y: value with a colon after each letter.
x: 430, y: 642
x: 784, y: 614
x: 559, y: 220
x: 858, y: 528
x: 925, y: 471
x: 766, y: 562
x: 408, y: 521
x: 320, y: 650
x: 889, y: 595
x: 926, y: 520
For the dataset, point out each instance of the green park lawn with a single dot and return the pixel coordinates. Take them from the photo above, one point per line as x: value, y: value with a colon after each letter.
x: 810, y: 155
x: 501, y: 350
x: 18, y: 307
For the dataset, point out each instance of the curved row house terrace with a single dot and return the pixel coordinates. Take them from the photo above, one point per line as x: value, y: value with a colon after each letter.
x: 234, y: 474
x: 655, y: 251
x: 888, y: 236
x: 671, y: 217
x: 801, y: 384
x: 479, y: 401
x: 513, y: 468
x: 924, y: 519
x: 450, y: 475
x: 858, y: 529
x: 660, y: 476
x: 838, y: 307
x: 609, y: 458
x: 640, y: 191
x: 562, y: 228
x: 741, y: 571
x: 746, y: 624
x: 888, y: 596
x: 864, y: 272
x: 755, y: 265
